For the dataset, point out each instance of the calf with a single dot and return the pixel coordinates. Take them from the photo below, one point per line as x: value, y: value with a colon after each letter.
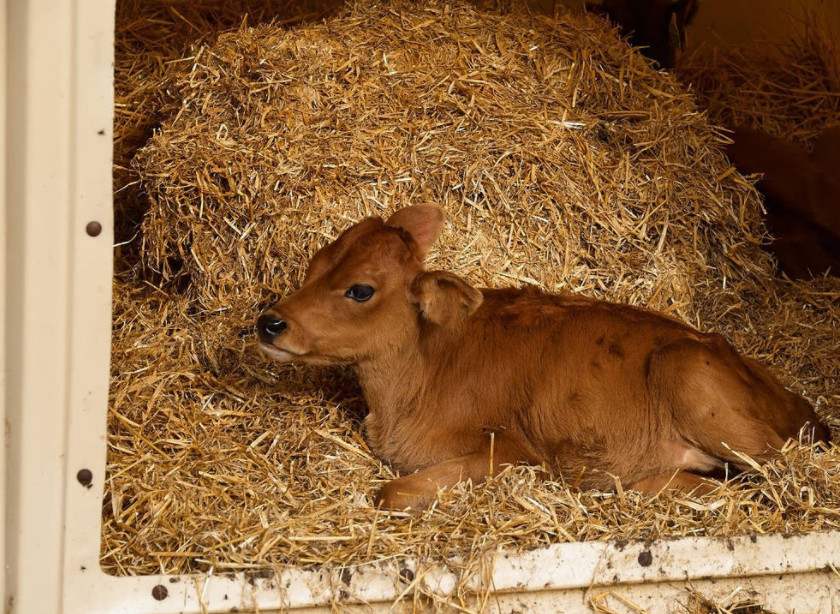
x: 459, y: 380
x: 802, y: 197
x: 657, y: 26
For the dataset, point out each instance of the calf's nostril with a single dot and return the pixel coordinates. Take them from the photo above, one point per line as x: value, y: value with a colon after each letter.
x: 270, y: 325
x: 276, y: 327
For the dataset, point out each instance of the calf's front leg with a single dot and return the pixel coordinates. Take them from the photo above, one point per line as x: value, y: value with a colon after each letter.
x: 418, y: 490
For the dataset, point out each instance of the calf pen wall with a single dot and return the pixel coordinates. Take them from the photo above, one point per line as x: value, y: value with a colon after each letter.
x: 56, y: 340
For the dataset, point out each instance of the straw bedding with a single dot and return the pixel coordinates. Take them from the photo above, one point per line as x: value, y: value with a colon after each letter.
x: 561, y: 159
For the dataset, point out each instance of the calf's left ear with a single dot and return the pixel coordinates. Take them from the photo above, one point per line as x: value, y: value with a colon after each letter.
x: 444, y: 298
x: 423, y: 222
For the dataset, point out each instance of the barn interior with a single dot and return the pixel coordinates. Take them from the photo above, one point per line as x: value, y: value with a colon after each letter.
x: 249, y: 134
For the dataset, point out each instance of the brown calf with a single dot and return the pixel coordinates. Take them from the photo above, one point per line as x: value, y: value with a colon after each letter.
x: 802, y: 197
x: 460, y: 381
x: 657, y: 26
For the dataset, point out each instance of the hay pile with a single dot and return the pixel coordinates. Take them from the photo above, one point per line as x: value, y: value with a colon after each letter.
x: 152, y: 37
x: 562, y: 160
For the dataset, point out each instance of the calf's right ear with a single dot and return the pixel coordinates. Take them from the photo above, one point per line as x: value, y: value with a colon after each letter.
x: 444, y: 298
x: 423, y: 222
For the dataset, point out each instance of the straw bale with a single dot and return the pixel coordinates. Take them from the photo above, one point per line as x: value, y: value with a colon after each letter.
x: 562, y: 160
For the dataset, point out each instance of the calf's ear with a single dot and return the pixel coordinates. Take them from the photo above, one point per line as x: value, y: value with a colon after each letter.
x: 423, y: 222
x: 444, y: 298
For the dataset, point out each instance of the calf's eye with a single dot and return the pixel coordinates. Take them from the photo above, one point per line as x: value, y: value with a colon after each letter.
x: 359, y: 292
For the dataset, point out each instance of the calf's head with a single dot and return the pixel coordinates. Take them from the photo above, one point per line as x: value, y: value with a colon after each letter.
x: 367, y: 294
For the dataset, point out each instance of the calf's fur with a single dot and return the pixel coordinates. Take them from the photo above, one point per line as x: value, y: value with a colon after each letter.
x: 459, y: 381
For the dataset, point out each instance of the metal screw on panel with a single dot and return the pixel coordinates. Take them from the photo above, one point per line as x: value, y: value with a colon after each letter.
x: 93, y: 229
x: 85, y: 477
x: 160, y: 592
